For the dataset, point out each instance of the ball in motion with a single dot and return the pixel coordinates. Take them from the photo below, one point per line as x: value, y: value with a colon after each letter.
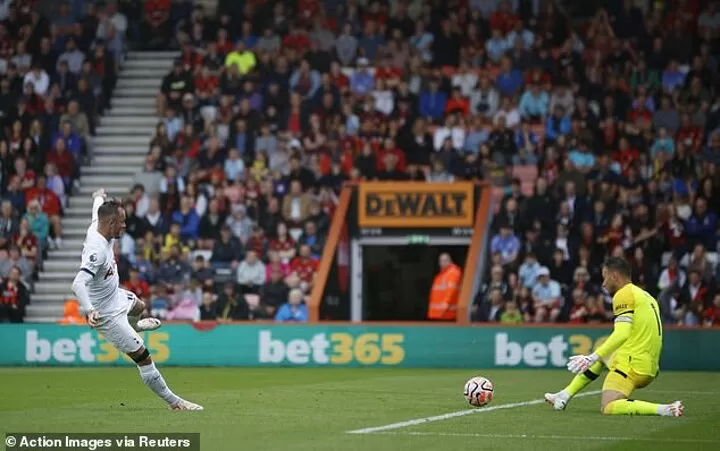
x: 479, y: 391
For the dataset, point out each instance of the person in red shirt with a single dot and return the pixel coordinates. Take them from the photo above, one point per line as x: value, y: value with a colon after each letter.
x: 503, y: 19
x: 223, y: 43
x: 207, y: 86
x: 13, y: 297
x: 155, y: 28
x: 389, y: 148
x: 28, y: 178
x: 689, y: 134
x: 26, y: 241
x: 457, y: 103
x: 711, y: 315
x: 297, y: 40
x: 304, y: 265
x: 137, y: 285
x: 63, y: 160
x: 50, y: 204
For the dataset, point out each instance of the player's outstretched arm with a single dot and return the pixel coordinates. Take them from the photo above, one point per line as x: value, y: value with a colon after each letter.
x: 99, y: 197
x: 578, y: 364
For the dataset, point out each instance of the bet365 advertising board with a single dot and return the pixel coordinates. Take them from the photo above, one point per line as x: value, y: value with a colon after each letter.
x: 337, y: 346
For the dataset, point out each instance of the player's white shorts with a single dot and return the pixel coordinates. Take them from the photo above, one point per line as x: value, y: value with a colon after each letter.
x: 118, y: 331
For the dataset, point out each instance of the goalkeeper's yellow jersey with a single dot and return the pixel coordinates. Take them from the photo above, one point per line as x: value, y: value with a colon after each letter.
x: 641, y: 351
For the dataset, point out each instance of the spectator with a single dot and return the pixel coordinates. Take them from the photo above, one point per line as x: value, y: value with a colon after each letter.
x: 208, y: 307
x: 547, y: 297
x: 13, y: 259
x: 304, y: 266
x: 445, y: 290
x: 493, y: 310
x: 14, y: 296
x: 173, y: 268
x: 294, y: 310
x: 228, y: 250
x: 9, y: 223
x: 251, y: 273
x: 231, y: 306
x: 240, y: 225
x: 187, y: 218
x: 506, y: 243
x: 511, y: 314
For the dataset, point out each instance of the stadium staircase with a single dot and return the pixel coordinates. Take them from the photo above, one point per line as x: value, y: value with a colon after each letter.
x: 121, y: 144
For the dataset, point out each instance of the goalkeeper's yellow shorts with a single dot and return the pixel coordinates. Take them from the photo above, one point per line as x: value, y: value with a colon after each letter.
x: 625, y: 382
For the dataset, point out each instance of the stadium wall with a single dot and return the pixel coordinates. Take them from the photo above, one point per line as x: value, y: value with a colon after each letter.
x: 343, y: 345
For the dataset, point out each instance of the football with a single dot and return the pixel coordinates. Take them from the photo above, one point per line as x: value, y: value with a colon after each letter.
x: 478, y: 391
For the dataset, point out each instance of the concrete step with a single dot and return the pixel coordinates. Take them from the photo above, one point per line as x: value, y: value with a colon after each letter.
x: 102, y: 180
x: 48, y: 298
x: 150, y: 92
x: 149, y: 82
x: 168, y: 55
x: 126, y: 130
x: 53, y: 287
x: 132, y: 119
x: 117, y: 149
x: 134, y: 73
x: 77, y: 221
x: 126, y: 160
x: 147, y: 112
x: 65, y: 265
x: 162, y: 65
x: 74, y: 232
x: 136, y: 142
x: 64, y: 253
x: 130, y: 102
x: 57, y: 275
x: 111, y: 170
x: 119, y: 191
x: 45, y: 311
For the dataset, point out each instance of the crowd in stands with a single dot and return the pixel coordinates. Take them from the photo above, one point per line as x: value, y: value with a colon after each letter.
x: 601, y: 136
x: 57, y: 73
x: 622, y: 122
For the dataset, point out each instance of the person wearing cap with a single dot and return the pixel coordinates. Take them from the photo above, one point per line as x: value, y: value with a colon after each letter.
x: 547, y: 297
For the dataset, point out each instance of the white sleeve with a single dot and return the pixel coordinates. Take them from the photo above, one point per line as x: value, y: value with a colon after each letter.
x: 79, y: 287
x: 97, y: 202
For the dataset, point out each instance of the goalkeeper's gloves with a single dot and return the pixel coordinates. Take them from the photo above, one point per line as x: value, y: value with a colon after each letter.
x: 578, y: 364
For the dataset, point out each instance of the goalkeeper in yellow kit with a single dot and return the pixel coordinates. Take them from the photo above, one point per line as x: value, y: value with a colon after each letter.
x: 631, y: 353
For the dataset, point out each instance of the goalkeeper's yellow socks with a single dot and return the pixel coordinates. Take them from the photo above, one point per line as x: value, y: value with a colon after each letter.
x: 633, y: 407
x: 581, y: 381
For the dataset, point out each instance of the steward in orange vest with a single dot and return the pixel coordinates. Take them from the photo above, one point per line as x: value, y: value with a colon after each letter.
x: 445, y: 290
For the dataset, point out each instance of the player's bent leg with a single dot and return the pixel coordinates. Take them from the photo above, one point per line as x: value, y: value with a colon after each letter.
x: 618, y: 387
x: 560, y: 400
x: 136, y: 308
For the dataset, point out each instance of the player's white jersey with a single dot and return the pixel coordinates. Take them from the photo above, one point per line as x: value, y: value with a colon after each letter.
x: 98, y: 260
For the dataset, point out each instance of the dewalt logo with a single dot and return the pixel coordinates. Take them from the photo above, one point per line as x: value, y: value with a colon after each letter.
x: 421, y: 205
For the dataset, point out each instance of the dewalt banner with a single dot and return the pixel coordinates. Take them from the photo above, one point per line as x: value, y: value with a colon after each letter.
x: 416, y: 205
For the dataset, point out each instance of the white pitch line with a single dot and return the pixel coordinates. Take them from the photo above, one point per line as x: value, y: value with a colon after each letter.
x: 550, y: 437
x: 459, y: 413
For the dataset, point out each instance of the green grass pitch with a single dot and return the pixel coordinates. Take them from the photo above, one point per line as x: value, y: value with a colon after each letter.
x: 312, y: 409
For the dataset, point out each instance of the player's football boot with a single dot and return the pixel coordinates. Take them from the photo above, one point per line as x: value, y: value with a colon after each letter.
x: 186, y: 405
x: 146, y: 324
x: 556, y: 400
x: 675, y: 409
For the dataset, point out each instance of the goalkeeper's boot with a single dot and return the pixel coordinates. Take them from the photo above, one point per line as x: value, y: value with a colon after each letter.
x: 186, y: 405
x: 147, y: 324
x: 558, y: 401
x: 672, y: 410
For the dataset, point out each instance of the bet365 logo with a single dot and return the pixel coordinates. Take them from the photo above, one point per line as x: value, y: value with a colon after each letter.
x: 554, y: 353
x: 334, y: 349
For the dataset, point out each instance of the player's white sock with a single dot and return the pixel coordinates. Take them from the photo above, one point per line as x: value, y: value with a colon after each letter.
x: 671, y: 410
x: 153, y: 379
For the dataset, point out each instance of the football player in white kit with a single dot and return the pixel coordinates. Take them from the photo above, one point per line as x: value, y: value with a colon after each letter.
x: 110, y: 309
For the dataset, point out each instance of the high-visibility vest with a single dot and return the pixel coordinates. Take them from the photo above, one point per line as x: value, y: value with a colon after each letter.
x: 444, y: 294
